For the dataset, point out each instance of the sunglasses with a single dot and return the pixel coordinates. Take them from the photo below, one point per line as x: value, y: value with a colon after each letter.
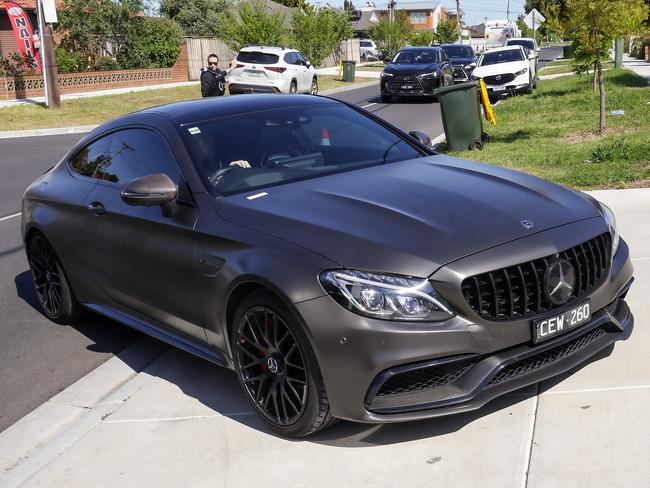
x: 215, y: 64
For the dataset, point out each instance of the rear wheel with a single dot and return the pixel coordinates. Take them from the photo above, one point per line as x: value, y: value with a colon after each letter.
x: 277, y: 368
x: 52, y: 289
x: 293, y: 87
x: 476, y: 145
x: 314, y: 86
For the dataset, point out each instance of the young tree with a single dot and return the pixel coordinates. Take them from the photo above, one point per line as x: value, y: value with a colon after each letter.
x: 593, y: 25
x: 317, y: 32
x: 155, y: 43
x: 197, y: 18
x: 389, y: 36
x: 447, y: 31
x: 422, y: 38
x: 249, y: 23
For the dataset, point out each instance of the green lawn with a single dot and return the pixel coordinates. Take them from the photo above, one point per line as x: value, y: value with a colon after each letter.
x: 95, y: 110
x: 552, y: 133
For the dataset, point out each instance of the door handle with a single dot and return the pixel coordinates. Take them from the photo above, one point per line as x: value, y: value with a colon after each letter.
x: 97, y: 208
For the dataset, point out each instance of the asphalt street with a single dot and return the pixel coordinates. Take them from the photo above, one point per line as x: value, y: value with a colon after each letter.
x: 39, y: 358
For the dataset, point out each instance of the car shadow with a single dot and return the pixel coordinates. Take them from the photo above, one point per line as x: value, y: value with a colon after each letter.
x: 405, y: 100
x: 107, y: 335
x: 218, y: 389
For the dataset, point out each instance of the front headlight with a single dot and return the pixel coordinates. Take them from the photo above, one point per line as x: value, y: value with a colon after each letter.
x: 433, y: 74
x: 522, y: 72
x: 611, y: 223
x: 474, y: 77
x: 387, y: 297
x: 386, y: 75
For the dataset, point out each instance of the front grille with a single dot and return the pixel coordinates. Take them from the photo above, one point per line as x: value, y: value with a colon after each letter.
x: 427, y: 378
x: 499, y: 79
x: 546, y: 358
x: 459, y: 72
x: 401, y: 82
x: 518, y: 291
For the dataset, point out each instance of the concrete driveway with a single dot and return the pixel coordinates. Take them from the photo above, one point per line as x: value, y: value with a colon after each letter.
x: 158, y: 417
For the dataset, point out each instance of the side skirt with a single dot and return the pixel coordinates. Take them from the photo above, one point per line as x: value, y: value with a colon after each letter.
x: 176, y: 340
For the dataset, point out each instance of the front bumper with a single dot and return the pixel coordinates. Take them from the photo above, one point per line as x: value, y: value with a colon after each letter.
x: 411, y: 87
x: 357, y: 354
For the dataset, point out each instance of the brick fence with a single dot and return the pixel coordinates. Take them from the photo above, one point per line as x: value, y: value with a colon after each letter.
x: 32, y: 86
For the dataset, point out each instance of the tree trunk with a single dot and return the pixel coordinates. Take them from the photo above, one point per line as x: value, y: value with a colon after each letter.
x: 601, y: 88
x: 595, y: 79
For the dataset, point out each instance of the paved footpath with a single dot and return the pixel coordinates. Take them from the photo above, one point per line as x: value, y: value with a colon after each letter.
x: 162, y: 418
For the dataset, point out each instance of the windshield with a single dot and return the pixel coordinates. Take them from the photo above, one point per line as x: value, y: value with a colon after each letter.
x: 458, y: 51
x: 270, y: 147
x: 497, y: 57
x: 416, y: 56
x: 530, y: 45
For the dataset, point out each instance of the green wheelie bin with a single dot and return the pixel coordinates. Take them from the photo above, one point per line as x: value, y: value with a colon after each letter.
x: 461, y: 116
x: 348, y: 70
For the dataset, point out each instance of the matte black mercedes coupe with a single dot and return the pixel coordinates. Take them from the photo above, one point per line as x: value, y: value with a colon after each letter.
x: 340, y: 267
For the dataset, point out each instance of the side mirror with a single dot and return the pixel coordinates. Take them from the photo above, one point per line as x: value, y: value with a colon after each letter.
x: 421, y: 137
x: 149, y: 190
x: 308, y: 64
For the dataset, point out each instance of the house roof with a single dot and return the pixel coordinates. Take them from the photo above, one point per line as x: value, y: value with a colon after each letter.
x: 364, y: 23
x: 412, y: 6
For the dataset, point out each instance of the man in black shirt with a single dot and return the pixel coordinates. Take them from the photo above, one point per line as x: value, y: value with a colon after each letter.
x: 213, y: 80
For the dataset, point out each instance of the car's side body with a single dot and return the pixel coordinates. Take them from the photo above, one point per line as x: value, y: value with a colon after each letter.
x: 180, y: 272
x: 462, y: 58
x: 264, y: 69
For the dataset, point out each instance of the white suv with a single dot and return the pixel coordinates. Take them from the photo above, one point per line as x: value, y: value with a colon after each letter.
x: 263, y: 69
x: 506, y: 70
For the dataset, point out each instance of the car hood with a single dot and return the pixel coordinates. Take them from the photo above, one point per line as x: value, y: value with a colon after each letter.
x: 405, y: 69
x: 409, y: 217
x: 461, y: 61
x: 500, y: 68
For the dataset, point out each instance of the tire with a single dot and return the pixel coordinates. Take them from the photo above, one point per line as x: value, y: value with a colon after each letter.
x: 386, y: 98
x: 485, y: 137
x: 476, y: 145
x: 51, y: 286
x: 277, y: 368
x: 314, y: 86
x: 293, y: 87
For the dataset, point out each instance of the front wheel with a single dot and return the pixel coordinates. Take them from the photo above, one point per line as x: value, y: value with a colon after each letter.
x: 277, y: 368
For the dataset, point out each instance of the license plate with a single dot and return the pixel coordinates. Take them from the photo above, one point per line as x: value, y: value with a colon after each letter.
x: 255, y: 74
x: 407, y: 87
x: 553, y: 326
x: 499, y: 88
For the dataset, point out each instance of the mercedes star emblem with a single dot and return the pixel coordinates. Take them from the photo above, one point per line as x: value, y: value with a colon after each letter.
x: 559, y: 281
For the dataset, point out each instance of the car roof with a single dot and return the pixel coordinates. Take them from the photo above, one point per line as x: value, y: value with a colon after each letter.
x: 520, y: 39
x: 267, y: 49
x: 215, y: 107
x: 421, y: 48
x: 456, y: 44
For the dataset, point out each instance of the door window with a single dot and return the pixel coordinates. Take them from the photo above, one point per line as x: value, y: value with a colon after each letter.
x: 124, y: 155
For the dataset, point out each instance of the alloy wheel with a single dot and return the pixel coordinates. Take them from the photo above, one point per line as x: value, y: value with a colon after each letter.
x: 314, y: 87
x: 46, y: 275
x: 271, y: 366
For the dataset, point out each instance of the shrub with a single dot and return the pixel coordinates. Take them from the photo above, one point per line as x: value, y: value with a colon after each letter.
x: 249, y: 24
x: 155, y: 43
x: 422, y: 38
x: 71, y: 62
x: 318, y: 32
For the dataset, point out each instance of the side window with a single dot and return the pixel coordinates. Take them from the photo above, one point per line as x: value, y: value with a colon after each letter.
x: 88, y: 159
x: 300, y: 59
x: 289, y: 58
x: 134, y: 153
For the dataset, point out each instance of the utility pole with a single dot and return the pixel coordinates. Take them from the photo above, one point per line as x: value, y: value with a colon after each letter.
x: 508, y: 11
x: 460, y: 31
x: 48, y: 61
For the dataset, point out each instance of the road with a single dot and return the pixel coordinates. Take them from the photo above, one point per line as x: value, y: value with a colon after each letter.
x: 39, y: 358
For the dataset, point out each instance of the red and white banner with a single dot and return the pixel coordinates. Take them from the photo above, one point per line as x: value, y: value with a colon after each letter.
x: 24, y: 35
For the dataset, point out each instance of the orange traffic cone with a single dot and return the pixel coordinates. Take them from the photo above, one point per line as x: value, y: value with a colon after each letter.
x: 325, y: 137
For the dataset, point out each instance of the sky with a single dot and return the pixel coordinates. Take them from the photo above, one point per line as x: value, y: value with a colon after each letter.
x: 475, y: 10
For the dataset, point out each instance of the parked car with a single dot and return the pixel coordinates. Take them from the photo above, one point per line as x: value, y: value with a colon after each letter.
x: 462, y: 58
x: 339, y: 266
x: 416, y: 71
x: 506, y: 70
x: 368, y: 50
x: 264, y: 69
x: 528, y: 43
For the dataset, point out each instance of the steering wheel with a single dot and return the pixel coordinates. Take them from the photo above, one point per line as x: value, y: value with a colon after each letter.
x: 214, y: 177
x: 273, y: 163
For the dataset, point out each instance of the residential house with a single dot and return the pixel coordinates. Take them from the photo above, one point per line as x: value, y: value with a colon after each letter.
x: 422, y: 15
